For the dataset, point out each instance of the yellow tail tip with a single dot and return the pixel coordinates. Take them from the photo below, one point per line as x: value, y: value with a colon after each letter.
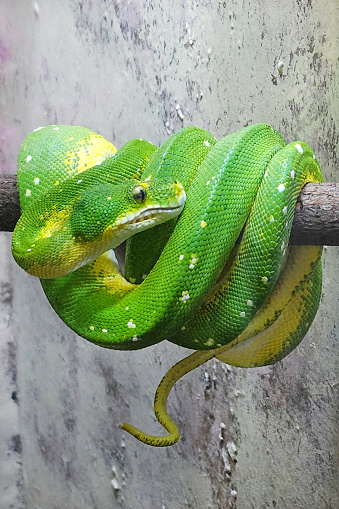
x: 155, y: 441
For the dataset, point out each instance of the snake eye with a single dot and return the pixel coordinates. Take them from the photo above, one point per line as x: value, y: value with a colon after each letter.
x: 139, y: 194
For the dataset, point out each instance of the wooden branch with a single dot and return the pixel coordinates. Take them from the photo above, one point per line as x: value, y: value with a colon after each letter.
x: 316, y: 219
x: 9, y: 203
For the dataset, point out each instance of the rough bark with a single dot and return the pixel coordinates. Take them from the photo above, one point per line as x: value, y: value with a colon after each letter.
x: 9, y: 202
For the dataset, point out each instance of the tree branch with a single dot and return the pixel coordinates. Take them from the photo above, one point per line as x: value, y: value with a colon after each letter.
x: 9, y: 202
x: 316, y: 218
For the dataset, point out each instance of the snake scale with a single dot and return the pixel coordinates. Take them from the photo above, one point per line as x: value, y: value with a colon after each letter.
x: 206, y: 225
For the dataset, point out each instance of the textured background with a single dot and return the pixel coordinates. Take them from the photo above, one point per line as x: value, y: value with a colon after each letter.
x: 261, y: 438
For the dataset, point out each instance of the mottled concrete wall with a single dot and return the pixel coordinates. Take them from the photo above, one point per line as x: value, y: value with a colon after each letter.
x: 250, y: 438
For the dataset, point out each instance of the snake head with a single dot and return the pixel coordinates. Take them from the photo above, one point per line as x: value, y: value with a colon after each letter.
x: 113, y: 213
x: 53, y: 241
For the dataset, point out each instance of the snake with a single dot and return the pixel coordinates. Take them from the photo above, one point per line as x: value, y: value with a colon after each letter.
x: 205, y: 224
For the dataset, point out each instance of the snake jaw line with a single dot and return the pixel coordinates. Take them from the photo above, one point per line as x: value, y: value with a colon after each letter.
x: 150, y: 213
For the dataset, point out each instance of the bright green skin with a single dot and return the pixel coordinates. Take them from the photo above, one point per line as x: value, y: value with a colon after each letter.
x: 221, y: 180
x: 266, y: 295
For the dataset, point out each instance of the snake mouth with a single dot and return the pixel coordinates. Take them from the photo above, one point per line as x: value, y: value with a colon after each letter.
x: 150, y: 215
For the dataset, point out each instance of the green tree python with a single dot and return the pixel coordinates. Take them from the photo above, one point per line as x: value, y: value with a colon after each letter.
x: 206, y: 225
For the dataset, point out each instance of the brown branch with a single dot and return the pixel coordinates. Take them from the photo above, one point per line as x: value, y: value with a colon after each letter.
x: 9, y: 203
x: 316, y: 219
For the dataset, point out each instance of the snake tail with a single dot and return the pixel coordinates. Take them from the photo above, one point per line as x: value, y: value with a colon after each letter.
x: 177, y: 371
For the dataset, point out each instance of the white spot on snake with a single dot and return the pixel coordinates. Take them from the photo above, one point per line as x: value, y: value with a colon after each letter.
x: 36, y: 181
x: 144, y: 276
x: 282, y: 246
x: 56, y: 128
x: 91, y: 327
x: 193, y: 261
x: 181, y: 257
x: 203, y: 224
x: 127, y: 308
x: 207, y: 143
x: 79, y: 181
x: 135, y: 338
x: 109, y: 197
x: 183, y: 327
x: 313, y: 156
x: 271, y: 219
x: 281, y: 188
x: 28, y: 192
x: 148, y: 178
x: 292, y: 173
x: 208, y: 182
x: 104, y: 330
x: 131, y: 325
x: 264, y: 279
x: 209, y: 342
x: 285, y: 210
x: 266, y: 173
x: 249, y: 303
x: 132, y: 280
x: 28, y: 159
x: 29, y: 250
x: 185, y: 296
x: 242, y: 314
x: 299, y: 148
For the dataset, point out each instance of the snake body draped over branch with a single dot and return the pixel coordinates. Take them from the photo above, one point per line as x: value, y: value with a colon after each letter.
x: 182, y: 208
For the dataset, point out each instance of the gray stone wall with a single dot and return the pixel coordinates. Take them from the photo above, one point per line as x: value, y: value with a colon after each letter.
x: 260, y: 438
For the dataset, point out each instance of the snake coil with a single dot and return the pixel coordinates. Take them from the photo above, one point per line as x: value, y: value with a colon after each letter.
x: 187, y: 279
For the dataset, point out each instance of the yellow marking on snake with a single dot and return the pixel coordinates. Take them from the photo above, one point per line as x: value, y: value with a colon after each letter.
x: 90, y: 153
